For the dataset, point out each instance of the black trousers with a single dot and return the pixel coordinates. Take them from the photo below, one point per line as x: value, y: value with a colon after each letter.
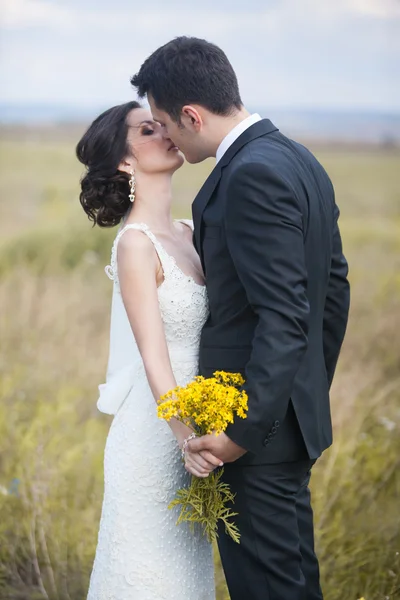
x: 275, y: 559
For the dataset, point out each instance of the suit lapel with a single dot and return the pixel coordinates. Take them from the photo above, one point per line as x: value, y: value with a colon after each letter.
x: 201, y: 202
x: 259, y: 129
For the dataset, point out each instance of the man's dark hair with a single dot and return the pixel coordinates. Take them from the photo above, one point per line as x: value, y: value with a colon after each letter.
x: 189, y: 70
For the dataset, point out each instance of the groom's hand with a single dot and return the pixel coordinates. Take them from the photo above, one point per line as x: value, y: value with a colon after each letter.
x: 214, y: 445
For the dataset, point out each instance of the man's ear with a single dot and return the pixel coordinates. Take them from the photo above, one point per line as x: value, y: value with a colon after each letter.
x: 191, y: 118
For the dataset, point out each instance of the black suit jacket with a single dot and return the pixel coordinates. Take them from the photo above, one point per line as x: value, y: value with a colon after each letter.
x: 267, y: 233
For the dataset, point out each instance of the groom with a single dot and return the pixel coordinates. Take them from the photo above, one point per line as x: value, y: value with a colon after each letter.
x: 267, y: 233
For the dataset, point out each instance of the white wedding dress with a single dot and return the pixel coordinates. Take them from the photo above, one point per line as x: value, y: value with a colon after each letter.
x: 141, y: 553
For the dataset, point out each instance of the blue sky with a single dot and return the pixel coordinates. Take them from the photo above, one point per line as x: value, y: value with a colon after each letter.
x: 327, y: 54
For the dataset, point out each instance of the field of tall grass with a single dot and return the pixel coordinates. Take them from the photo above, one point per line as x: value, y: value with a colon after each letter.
x: 54, y: 320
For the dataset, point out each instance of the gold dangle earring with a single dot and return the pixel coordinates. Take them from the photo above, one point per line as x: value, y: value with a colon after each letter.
x: 132, y: 186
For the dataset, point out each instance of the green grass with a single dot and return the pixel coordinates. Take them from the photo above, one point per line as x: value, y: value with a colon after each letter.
x: 54, y: 320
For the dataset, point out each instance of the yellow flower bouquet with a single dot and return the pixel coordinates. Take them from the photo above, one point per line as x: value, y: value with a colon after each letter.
x: 207, y: 405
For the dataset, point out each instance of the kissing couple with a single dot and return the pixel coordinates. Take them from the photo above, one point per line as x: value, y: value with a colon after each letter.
x: 256, y: 284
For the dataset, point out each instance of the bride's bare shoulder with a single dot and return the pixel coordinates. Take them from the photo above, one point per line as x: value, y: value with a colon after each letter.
x: 135, y: 247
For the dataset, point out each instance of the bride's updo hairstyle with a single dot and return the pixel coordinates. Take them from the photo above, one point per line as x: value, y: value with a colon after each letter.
x: 105, y: 189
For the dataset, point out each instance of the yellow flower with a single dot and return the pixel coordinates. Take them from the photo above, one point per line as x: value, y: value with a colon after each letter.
x: 207, y: 405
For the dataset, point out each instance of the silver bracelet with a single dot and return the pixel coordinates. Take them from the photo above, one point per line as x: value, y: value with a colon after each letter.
x: 185, y: 443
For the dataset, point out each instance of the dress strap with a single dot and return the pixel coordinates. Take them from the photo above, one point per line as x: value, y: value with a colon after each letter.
x: 165, y: 260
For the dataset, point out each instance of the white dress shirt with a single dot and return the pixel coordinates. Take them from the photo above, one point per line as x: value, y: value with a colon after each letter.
x: 235, y: 133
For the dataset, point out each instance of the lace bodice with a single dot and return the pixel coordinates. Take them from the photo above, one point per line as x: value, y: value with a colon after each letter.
x: 183, y: 302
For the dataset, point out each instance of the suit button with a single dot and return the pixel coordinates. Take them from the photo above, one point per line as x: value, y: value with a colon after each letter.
x: 276, y: 424
x: 274, y: 429
x: 266, y: 442
x: 269, y: 435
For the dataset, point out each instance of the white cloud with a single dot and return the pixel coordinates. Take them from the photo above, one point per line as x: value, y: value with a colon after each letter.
x: 252, y: 18
x: 25, y: 14
x: 327, y: 13
x: 383, y: 9
x: 21, y: 14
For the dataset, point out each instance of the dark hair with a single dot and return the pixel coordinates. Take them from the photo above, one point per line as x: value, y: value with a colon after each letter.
x: 105, y: 190
x: 189, y: 70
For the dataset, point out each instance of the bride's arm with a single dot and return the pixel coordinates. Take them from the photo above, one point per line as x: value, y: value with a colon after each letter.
x: 139, y: 273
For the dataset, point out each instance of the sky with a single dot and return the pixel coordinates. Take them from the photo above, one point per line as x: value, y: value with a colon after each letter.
x: 325, y: 54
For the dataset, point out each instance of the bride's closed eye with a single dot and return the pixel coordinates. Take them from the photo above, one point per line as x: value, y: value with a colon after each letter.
x: 147, y: 131
x: 150, y: 129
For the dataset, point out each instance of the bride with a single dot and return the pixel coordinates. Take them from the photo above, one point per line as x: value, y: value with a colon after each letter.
x: 159, y: 307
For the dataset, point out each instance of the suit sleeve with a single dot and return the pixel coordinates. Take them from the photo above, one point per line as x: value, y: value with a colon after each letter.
x: 337, y: 304
x: 264, y: 230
